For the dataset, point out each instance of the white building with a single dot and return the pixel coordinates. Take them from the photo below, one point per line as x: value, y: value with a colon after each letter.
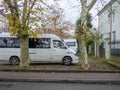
x: 109, y: 23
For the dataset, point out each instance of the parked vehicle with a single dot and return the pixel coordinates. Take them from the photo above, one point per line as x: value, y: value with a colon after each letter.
x: 71, y: 43
x: 42, y: 48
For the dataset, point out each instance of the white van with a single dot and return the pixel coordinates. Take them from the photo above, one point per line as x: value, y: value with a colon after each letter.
x: 42, y: 48
x: 71, y: 43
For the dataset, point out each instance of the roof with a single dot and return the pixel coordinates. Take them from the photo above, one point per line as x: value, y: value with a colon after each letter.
x: 3, y: 34
x: 107, y: 6
x: 70, y: 40
x: 7, y: 34
x: 53, y: 36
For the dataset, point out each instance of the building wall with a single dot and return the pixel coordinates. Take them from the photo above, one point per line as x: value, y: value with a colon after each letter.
x: 104, y: 22
x: 116, y: 21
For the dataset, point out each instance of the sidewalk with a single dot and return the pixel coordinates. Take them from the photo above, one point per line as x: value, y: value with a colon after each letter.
x: 98, y: 78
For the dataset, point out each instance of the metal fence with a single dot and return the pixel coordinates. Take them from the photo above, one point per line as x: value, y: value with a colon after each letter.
x: 115, y: 47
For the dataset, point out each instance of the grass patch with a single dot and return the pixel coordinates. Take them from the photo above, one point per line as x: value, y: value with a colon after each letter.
x: 115, y: 65
x: 79, y: 68
x: 115, y: 57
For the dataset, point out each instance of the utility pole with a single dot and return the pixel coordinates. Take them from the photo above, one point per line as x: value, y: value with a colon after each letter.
x: 109, y: 39
x: 108, y: 48
x: 110, y: 28
x: 110, y: 25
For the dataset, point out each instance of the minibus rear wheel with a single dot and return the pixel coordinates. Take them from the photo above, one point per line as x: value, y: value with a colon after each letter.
x: 67, y: 60
x: 14, y: 60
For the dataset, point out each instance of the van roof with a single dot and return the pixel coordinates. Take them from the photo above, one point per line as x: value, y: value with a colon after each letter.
x: 70, y: 40
x: 55, y: 37
x: 7, y: 34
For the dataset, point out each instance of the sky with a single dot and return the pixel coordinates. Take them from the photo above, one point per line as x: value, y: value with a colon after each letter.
x: 72, y: 10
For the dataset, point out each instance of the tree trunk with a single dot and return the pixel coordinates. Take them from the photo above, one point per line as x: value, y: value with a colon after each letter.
x: 83, y: 50
x: 83, y: 54
x: 24, y: 55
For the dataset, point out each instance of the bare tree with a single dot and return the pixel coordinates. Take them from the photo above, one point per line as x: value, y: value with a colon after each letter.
x: 53, y: 22
x: 82, y: 30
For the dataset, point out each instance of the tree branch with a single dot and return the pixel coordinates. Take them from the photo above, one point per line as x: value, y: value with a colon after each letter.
x: 16, y: 8
x: 10, y: 6
x: 31, y: 7
x: 91, y: 5
x: 83, y: 3
x: 24, y: 12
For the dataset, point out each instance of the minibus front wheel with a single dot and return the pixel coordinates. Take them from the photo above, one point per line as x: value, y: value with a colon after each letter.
x: 14, y: 60
x: 67, y: 60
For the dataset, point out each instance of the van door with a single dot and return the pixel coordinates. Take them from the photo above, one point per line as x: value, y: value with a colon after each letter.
x: 43, y: 49
x: 58, y: 51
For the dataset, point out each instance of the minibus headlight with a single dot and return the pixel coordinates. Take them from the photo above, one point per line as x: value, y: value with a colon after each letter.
x: 75, y: 54
x: 72, y: 53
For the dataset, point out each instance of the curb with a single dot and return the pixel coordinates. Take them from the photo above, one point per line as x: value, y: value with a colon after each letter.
x: 57, y: 71
x: 61, y: 80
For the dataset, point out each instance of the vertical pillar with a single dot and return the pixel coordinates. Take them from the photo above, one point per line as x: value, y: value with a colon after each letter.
x: 107, y: 49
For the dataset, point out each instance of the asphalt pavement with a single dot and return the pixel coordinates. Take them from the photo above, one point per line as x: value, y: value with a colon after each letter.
x: 95, y: 77
x: 55, y: 86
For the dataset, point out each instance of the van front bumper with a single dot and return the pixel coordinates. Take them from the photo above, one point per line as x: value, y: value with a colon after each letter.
x: 75, y: 60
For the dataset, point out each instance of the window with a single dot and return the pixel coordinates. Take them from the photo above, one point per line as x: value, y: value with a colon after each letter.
x: 39, y: 43
x: 43, y: 43
x: 32, y: 43
x: 114, y: 35
x: 9, y: 42
x: 70, y: 44
x: 2, y: 42
x: 58, y: 44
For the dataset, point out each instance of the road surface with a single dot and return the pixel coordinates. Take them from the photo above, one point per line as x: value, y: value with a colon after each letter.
x: 55, y: 86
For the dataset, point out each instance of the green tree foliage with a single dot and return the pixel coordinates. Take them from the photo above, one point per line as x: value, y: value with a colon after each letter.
x: 23, y: 16
x: 88, y: 34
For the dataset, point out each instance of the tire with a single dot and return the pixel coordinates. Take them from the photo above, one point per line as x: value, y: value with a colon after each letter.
x: 67, y: 61
x: 14, y: 60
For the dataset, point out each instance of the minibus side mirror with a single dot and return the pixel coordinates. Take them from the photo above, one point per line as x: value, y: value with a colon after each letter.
x: 64, y: 47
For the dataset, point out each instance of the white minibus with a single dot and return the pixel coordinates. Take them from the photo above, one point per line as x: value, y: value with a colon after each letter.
x: 71, y: 43
x: 42, y: 48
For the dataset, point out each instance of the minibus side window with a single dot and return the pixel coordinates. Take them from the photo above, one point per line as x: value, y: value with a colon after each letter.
x: 3, y: 42
x: 32, y: 43
x: 39, y: 43
x: 9, y: 42
x: 70, y: 44
x: 16, y: 43
x: 58, y: 44
x: 43, y: 43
